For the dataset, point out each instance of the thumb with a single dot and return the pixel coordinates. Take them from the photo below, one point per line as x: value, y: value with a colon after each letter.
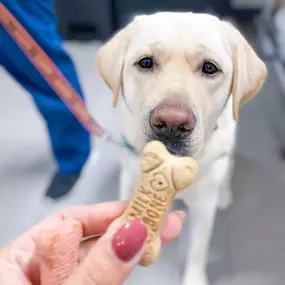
x: 113, y: 257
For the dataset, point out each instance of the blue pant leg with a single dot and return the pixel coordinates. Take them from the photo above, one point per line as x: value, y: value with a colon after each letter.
x: 70, y: 141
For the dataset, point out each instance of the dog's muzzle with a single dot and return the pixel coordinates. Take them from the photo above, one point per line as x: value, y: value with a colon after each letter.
x: 172, y: 124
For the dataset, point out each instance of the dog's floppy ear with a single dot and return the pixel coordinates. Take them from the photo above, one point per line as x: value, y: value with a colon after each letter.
x: 110, y: 60
x: 249, y: 71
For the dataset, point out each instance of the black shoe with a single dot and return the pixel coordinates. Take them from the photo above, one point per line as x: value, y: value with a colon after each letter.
x: 61, y: 185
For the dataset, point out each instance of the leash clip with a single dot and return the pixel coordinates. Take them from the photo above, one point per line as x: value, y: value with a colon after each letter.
x: 107, y: 136
x: 123, y: 143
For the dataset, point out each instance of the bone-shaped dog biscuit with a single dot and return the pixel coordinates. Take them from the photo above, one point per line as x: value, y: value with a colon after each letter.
x: 162, y: 175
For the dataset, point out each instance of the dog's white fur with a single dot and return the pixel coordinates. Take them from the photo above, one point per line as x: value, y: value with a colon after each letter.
x: 180, y: 43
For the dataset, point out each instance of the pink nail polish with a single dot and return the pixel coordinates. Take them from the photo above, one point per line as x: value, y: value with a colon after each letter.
x: 129, y: 240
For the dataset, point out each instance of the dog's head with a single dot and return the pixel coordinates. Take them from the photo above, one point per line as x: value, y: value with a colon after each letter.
x: 177, y: 72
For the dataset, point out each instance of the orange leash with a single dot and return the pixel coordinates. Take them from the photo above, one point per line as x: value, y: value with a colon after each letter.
x: 49, y: 71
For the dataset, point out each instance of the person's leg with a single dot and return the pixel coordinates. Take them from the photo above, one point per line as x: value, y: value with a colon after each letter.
x: 70, y: 141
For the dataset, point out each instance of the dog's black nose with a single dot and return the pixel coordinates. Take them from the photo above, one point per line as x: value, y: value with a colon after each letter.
x: 171, y: 121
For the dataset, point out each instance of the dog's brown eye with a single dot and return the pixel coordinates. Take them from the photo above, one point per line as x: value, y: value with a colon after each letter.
x: 146, y: 63
x: 209, y: 68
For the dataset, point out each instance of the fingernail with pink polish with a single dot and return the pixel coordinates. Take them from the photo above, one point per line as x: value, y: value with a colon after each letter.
x: 129, y: 240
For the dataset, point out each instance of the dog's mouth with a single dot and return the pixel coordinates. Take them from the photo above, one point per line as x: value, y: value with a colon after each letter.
x: 174, y: 146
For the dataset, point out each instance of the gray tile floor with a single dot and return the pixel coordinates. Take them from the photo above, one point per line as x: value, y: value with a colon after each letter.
x: 248, y: 243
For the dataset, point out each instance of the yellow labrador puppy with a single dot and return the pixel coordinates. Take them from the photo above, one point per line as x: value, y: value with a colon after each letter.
x: 183, y: 77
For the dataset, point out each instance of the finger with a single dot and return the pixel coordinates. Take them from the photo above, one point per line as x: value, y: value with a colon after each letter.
x: 173, y: 226
x: 113, y: 257
x: 12, y: 274
x: 86, y: 246
x: 58, y: 252
x: 171, y: 230
x: 95, y: 219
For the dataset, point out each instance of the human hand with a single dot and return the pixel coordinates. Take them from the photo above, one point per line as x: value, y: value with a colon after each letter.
x: 96, y: 261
